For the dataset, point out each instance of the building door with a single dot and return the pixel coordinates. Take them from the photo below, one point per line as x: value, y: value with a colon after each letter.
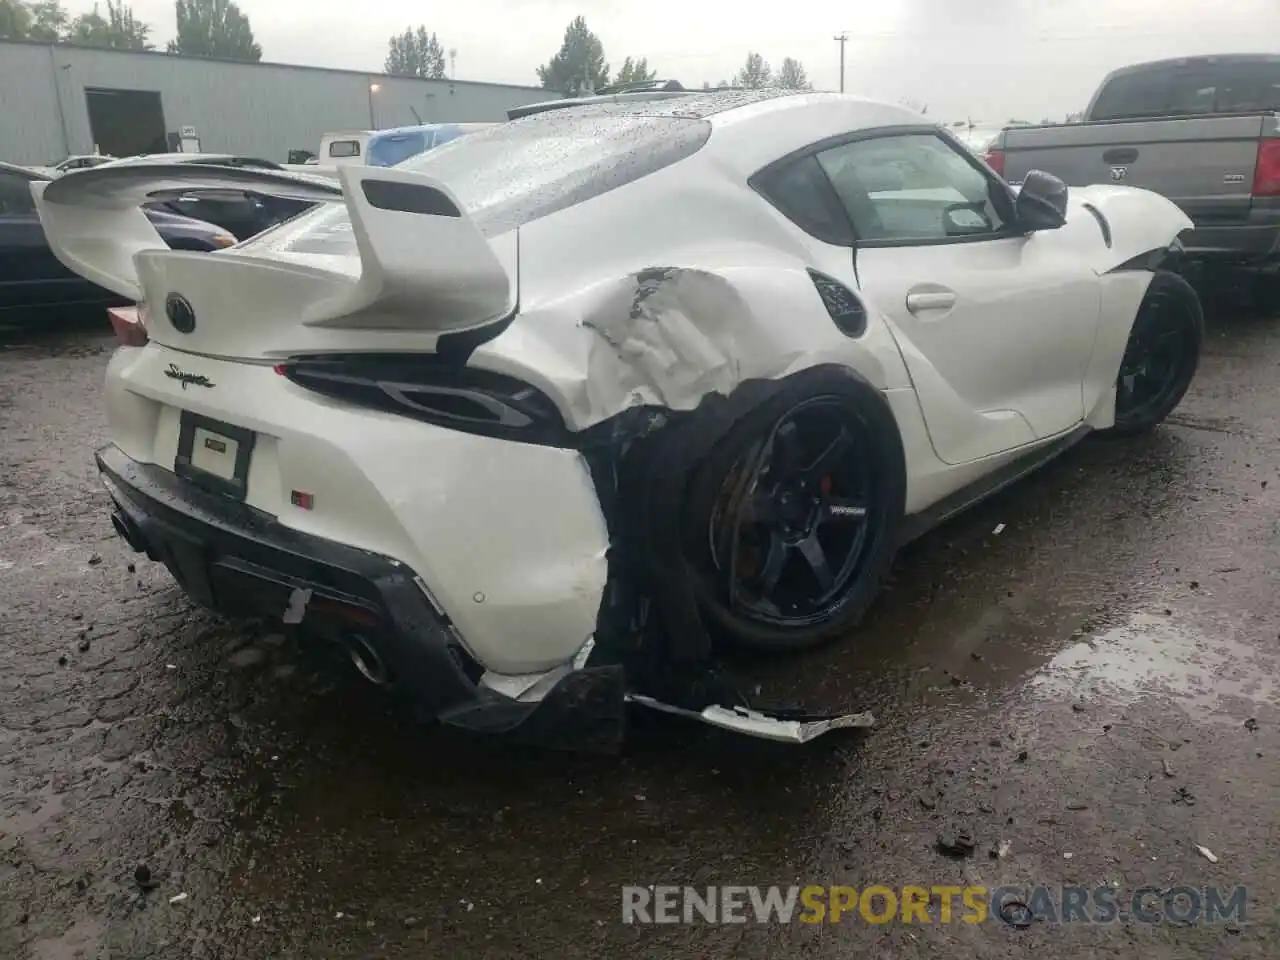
x: 126, y: 122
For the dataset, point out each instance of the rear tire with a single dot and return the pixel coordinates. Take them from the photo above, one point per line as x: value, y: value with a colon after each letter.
x: 822, y: 455
x: 1161, y: 357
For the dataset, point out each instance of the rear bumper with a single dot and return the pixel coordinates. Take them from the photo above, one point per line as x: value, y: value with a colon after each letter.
x: 241, y: 562
x: 1254, y: 242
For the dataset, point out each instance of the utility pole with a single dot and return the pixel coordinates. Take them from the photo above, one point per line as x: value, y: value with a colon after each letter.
x: 842, y: 39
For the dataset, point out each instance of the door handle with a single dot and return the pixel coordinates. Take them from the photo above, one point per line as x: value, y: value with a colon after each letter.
x: 939, y: 300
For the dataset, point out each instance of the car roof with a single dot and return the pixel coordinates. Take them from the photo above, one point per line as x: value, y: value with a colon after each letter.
x: 688, y: 104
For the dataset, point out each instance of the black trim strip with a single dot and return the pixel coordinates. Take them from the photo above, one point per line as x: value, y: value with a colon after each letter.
x: 917, y: 525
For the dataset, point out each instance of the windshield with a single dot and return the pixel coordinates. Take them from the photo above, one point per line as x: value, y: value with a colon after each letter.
x: 513, y: 173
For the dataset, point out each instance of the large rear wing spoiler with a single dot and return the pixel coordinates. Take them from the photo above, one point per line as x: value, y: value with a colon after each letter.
x: 419, y: 253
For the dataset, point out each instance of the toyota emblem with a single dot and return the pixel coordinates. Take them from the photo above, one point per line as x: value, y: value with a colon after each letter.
x: 180, y: 313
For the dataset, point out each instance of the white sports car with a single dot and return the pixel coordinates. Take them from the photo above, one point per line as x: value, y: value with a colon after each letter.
x: 529, y: 420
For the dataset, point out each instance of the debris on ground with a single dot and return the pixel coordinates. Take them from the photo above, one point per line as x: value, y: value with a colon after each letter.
x: 956, y: 843
x: 1184, y: 797
x: 999, y: 529
x: 1168, y: 770
x: 143, y: 878
x: 1251, y: 725
x: 1022, y: 756
x: 1206, y: 853
x: 1000, y: 850
x: 94, y: 560
x: 178, y: 898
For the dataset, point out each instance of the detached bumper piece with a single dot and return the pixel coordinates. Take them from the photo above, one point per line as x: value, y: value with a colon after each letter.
x: 238, y: 561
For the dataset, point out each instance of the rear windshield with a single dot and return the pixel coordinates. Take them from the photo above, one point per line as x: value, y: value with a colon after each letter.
x: 389, y: 149
x: 344, y: 148
x: 1206, y: 88
x: 514, y: 173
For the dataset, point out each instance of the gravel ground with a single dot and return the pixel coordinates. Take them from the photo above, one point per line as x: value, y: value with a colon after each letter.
x: 1094, y: 686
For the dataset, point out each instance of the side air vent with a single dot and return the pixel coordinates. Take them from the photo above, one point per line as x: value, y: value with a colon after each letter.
x: 846, y: 310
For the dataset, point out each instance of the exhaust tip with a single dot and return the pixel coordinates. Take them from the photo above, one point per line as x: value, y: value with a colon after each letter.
x: 127, y: 531
x: 367, y: 660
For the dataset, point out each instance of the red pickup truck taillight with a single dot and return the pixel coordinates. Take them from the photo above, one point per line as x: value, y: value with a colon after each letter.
x: 129, y: 324
x: 1266, y: 169
x: 995, y: 160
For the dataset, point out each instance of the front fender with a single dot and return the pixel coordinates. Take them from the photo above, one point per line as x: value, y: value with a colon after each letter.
x: 1135, y: 221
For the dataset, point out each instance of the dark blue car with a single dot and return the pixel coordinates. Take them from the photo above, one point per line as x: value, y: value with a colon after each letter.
x: 32, y: 277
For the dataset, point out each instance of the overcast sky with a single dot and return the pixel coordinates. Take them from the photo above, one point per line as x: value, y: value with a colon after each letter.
x: 987, y: 59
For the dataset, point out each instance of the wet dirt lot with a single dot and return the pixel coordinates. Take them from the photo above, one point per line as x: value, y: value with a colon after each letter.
x: 1095, y: 685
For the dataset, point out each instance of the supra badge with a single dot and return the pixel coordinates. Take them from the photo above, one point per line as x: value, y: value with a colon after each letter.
x: 1119, y: 173
x: 194, y: 379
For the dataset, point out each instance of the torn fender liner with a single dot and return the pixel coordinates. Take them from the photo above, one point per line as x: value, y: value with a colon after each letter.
x: 757, y: 723
x: 649, y: 618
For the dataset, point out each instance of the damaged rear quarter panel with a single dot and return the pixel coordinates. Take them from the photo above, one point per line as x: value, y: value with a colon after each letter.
x: 623, y: 305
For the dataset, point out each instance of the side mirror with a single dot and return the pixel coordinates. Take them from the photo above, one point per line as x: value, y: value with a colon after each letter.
x: 1042, y: 202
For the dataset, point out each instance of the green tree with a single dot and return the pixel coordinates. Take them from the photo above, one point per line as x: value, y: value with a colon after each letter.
x: 791, y: 76
x: 416, y: 53
x: 118, y: 30
x: 214, y: 28
x: 49, y: 21
x: 755, y: 73
x: 579, y: 67
x: 635, y: 71
x: 15, y: 20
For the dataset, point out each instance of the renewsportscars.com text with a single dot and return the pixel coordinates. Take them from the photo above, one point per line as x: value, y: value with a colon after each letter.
x: 1014, y: 905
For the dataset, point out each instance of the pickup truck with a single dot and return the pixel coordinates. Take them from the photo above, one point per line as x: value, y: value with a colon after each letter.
x: 1202, y: 131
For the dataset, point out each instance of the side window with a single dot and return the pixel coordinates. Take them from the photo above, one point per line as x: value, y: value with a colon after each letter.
x: 15, y: 195
x: 344, y: 148
x: 911, y: 187
x: 802, y: 193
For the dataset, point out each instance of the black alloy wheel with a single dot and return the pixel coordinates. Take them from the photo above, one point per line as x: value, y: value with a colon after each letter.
x: 794, y: 518
x: 1161, y: 357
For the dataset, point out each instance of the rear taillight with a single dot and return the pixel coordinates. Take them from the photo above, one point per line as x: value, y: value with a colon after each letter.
x: 421, y: 387
x: 129, y: 324
x: 995, y: 160
x: 1266, y: 169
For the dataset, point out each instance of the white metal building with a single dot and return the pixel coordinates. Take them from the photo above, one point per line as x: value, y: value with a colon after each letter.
x: 59, y: 99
